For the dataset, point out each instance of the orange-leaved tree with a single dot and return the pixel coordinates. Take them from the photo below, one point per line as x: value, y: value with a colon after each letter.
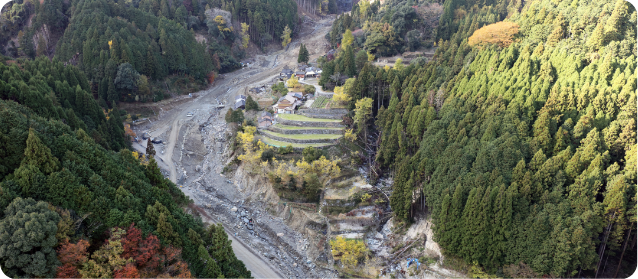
x: 500, y: 33
x: 71, y: 256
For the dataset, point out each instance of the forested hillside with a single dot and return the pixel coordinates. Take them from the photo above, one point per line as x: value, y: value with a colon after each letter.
x: 520, y: 134
x: 71, y: 208
x: 56, y: 92
x: 123, y: 46
x: 394, y: 27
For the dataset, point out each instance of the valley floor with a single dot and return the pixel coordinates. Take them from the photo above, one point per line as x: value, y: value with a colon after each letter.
x: 195, y: 151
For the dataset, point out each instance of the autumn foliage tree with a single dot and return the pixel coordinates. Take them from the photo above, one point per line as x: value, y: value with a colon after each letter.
x: 500, y: 33
x: 124, y: 255
x: 71, y: 256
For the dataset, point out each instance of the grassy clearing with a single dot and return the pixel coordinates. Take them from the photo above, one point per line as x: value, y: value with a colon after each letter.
x: 304, y: 136
x: 286, y: 127
x: 297, y: 117
x: 277, y: 143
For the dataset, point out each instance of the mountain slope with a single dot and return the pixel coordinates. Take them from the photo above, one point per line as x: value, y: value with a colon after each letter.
x: 88, y: 193
x: 524, y: 146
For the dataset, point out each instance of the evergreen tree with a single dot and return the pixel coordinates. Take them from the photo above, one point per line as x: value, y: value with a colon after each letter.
x: 39, y: 155
x: 150, y: 149
x: 41, y: 49
x: 348, y: 62
x: 251, y: 104
x: 165, y: 230
x: 303, y: 54
x: 34, y: 256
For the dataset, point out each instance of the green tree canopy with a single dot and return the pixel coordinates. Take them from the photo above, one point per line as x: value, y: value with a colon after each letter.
x: 27, y: 238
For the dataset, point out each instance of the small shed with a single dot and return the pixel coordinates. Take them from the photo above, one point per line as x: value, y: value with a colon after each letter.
x: 240, y: 104
x: 266, y: 115
x: 265, y: 119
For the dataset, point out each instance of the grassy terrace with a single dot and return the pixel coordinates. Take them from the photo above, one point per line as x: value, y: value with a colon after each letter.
x: 277, y: 143
x: 303, y: 136
x: 297, y: 117
x: 286, y: 127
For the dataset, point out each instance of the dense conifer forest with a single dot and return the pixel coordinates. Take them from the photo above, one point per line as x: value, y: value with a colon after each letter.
x: 75, y: 203
x: 520, y: 133
x: 123, y: 46
x: 99, y: 213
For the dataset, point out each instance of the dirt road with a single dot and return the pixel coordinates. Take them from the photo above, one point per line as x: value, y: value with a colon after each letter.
x: 257, y: 266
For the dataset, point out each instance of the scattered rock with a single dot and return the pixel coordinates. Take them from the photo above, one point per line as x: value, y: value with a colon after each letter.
x: 280, y: 234
x: 233, y: 209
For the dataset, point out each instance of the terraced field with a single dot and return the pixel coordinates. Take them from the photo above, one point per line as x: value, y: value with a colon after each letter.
x: 303, y: 136
x: 288, y: 127
x: 302, y: 131
x: 297, y: 117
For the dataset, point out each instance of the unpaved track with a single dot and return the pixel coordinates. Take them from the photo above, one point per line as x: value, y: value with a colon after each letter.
x: 169, y: 151
x: 257, y: 266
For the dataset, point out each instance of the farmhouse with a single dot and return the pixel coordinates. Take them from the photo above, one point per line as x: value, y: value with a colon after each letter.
x: 288, y: 104
x: 286, y: 73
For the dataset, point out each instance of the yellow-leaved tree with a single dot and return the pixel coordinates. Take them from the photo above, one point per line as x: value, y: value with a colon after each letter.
x: 324, y: 169
x: 221, y: 24
x: 245, y: 38
x: 370, y: 56
x: 364, y: 6
x: 349, y: 135
x: 340, y: 96
x: 349, y: 251
x: 398, y: 65
x: 292, y: 82
x: 285, y: 37
x: 347, y: 39
x: 252, y: 154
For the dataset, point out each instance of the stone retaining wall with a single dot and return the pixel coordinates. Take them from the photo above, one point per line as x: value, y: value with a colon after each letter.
x: 326, y: 116
x: 309, y: 123
x: 305, y: 131
x: 300, y: 140
x: 302, y: 148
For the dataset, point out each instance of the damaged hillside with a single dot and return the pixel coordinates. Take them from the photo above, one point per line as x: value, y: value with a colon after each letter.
x: 338, y: 219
